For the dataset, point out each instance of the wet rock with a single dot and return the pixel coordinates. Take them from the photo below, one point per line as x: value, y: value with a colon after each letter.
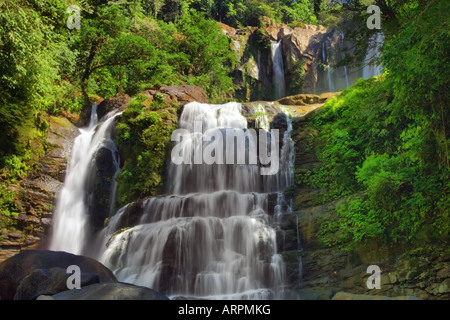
x: 117, y: 103
x: 279, y: 122
x: 306, y: 99
x: 36, y: 195
x: 444, y: 287
x: 15, y: 269
x: 49, y: 282
x: 108, y: 291
x: 103, y: 182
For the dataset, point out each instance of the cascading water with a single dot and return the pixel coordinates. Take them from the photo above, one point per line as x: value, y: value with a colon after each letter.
x: 328, y: 69
x: 71, y: 219
x: 371, y: 68
x: 347, y: 82
x: 341, y: 77
x: 278, y: 70
x: 284, y: 207
x: 212, y: 237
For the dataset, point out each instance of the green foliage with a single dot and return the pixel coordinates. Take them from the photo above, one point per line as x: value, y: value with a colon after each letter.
x: 27, y: 51
x: 350, y: 125
x: 209, y: 54
x: 8, y: 206
x: 143, y: 137
x: 392, y: 135
x: 241, y: 13
x: 129, y: 55
x: 298, y: 11
x: 14, y: 169
x: 159, y: 97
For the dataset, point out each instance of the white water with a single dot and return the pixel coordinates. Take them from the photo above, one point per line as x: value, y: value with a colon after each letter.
x: 278, y: 70
x: 331, y: 87
x: 212, y: 236
x: 287, y: 153
x: 329, y: 74
x: 347, y: 82
x: 70, y: 222
x: 371, y: 68
x: 284, y: 207
x: 334, y: 79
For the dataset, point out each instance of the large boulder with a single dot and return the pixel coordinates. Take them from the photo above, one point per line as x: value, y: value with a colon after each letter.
x: 108, y: 291
x: 14, y: 270
x: 49, y: 282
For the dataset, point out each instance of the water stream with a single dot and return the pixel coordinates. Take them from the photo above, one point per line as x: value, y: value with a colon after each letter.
x: 212, y: 237
x: 70, y: 222
x: 278, y: 70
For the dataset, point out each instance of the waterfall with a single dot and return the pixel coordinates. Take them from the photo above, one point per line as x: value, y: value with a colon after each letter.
x: 330, y: 80
x: 278, y: 70
x: 347, y: 83
x: 284, y: 207
x: 287, y: 151
x: 329, y: 74
x: 71, y: 219
x: 212, y: 236
x: 371, y: 68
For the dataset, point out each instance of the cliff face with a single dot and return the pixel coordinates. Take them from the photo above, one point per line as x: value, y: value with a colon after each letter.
x: 326, y: 269
x: 36, y: 195
x: 311, y: 55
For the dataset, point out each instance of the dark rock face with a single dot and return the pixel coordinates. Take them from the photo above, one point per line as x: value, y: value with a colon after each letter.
x: 307, y: 53
x: 301, y: 47
x: 109, y: 291
x: 37, y: 193
x: 118, y: 103
x: 279, y: 122
x: 103, y: 177
x: 168, y: 274
x: 19, y: 275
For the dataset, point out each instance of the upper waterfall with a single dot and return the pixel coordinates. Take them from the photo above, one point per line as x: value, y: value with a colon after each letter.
x: 371, y: 65
x: 278, y: 70
x: 70, y: 225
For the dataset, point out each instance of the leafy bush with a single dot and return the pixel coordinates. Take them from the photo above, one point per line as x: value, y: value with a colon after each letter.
x: 143, y: 137
x: 390, y: 159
